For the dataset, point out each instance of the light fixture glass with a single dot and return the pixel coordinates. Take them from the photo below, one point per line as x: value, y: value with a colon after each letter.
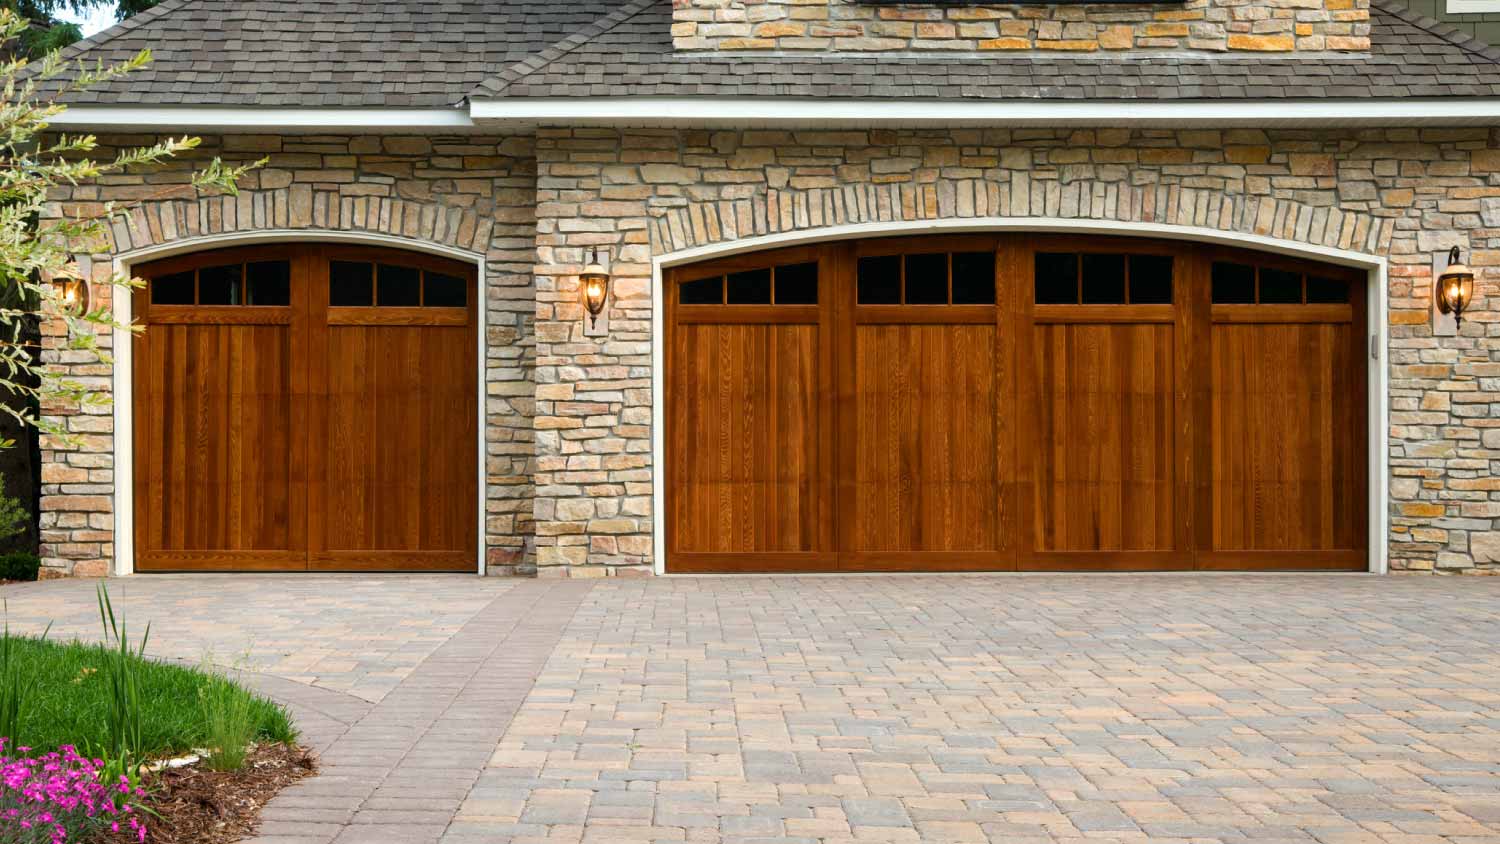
x: 72, y: 294
x: 1455, y: 288
x: 595, y: 282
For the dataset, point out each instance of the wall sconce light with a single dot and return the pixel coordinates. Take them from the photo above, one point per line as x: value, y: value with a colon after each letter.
x: 1455, y: 288
x: 72, y: 294
x: 595, y: 282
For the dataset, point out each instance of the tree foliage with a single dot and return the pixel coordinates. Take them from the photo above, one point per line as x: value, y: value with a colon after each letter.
x: 39, y: 238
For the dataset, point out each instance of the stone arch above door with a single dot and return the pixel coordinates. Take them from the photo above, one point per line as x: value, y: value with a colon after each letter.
x: 774, y: 211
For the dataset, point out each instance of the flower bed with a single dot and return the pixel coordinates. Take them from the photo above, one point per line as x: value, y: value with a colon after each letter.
x: 60, y: 796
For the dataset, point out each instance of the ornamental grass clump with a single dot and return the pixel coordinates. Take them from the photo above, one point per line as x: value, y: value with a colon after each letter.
x: 60, y: 797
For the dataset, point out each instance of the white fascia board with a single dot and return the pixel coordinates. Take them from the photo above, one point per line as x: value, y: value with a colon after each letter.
x: 1466, y: 7
x: 228, y: 118
x: 764, y: 111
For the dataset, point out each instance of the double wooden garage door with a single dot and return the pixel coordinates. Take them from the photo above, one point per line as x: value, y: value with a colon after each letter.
x: 1000, y: 402
x: 305, y: 407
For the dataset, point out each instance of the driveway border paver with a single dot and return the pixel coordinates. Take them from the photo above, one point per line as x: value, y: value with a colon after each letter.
x: 401, y: 770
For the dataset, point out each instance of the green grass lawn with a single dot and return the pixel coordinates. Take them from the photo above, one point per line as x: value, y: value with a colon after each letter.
x: 69, y: 703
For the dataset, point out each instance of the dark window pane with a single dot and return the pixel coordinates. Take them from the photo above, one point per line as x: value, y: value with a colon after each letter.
x: 1233, y: 284
x: 1056, y: 278
x: 1326, y: 291
x: 444, y: 291
x: 270, y: 283
x: 350, y: 284
x: 752, y: 287
x: 174, y: 289
x: 703, y: 291
x: 880, y: 280
x: 927, y: 279
x: 973, y: 278
x: 1151, y: 279
x: 221, y: 285
x: 1103, y: 279
x: 397, y: 287
x: 1279, y: 287
x: 797, y: 284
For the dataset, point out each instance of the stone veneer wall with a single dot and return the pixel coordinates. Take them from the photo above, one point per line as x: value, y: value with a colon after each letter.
x: 860, y: 26
x: 1403, y: 193
x: 473, y: 193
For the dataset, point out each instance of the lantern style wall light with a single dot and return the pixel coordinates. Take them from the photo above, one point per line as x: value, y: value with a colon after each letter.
x: 73, y: 294
x: 595, y: 282
x: 1455, y: 288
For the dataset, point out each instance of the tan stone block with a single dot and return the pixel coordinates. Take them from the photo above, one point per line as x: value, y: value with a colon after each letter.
x: 1308, y: 164
x: 1004, y: 44
x: 1072, y: 45
x: 1261, y: 43
x: 778, y: 29
x: 1119, y: 37
x: 1247, y: 154
x: 1167, y: 30
x: 1422, y: 509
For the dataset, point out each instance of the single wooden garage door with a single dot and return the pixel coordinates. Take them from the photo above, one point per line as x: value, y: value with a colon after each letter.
x: 1003, y: 402
x: 306, y: 407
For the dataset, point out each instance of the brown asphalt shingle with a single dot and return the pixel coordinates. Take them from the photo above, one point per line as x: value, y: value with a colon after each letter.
x: 1411, y: 56
x: 402, y: 53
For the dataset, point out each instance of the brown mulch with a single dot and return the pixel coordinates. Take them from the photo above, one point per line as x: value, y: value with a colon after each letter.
x: 194, y: 804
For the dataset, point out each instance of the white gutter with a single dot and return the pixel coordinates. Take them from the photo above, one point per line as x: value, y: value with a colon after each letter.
x: 215, y: 118
x: 751, y: 111
x: 758, y: 110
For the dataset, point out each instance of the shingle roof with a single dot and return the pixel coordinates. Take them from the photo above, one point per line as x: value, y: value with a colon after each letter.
x: 1411, y: 56
x: 318, y: 53
x: 429, y: 53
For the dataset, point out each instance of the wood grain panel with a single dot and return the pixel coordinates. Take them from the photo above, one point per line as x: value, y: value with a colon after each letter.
x: 924, y: 439
x: 399, y: 453
x: 745, y: 438
x: 214, y: 444
x: 1105, y: 437
x: 1286, y: 449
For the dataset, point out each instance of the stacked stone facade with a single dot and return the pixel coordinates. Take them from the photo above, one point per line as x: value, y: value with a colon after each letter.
x: 569, y: 429
x: 860, y: 26
x: 472, y: 193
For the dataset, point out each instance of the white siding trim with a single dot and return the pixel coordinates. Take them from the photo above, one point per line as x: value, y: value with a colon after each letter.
x: 751, y: 111
x: 124, y: 390
x: 1377, y: 397
x: 1467, y: 7
x: 216, y: 118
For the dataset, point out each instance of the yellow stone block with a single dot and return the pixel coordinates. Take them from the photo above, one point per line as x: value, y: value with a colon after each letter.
x: 1261, y: 43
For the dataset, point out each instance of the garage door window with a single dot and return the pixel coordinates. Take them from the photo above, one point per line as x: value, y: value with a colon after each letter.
x: 266, y: 283
x: 1251, y: 284
x: 362, y: 284
x: 927, y: 278
x: 1095, y: 278
x: 784, y: 284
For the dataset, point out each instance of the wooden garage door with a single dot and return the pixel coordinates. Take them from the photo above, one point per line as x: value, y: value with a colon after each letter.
x: 305, y: 407
x: 998, y: 402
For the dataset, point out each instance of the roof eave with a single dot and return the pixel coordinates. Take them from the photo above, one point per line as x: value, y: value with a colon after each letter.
x: 763, y: 111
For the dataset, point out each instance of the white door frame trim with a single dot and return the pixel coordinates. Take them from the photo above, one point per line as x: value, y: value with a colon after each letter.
x: 124, y: 391
x: 1377, y: 323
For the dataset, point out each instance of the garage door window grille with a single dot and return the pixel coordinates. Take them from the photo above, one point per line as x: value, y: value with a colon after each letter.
x: 265, y: 283
x: 785, y: 284
x: 1102, y: 278
x: 927, y: 278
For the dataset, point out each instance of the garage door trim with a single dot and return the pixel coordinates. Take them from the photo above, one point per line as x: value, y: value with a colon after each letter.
x: 1376, y: 321
x: 123, y: 390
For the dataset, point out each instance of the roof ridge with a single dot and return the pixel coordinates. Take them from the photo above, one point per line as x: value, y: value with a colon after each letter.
x: 1446, y: 31
x: 130, y: 24
x: 521, y: 69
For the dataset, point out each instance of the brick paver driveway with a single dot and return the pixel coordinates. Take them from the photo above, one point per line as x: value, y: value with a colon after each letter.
x: 946, y: 709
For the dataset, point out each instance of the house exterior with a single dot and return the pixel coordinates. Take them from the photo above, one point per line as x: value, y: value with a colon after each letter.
x: 891, y: 287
